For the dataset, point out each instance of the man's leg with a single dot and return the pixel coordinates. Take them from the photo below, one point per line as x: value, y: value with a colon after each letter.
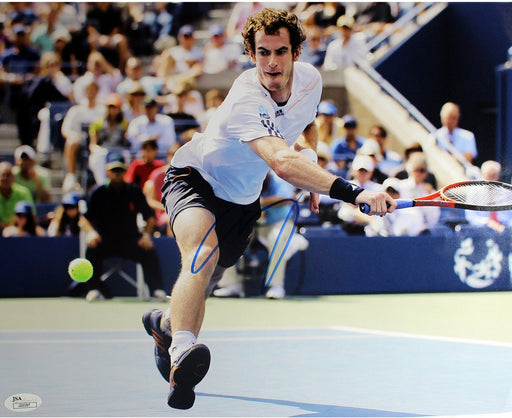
x: 197, y: 241
x: 158, y: 326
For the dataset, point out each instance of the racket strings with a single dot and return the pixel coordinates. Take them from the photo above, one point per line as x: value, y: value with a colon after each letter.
x: 480, y: 194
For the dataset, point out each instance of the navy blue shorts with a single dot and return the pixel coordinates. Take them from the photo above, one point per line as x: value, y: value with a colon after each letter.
x: 185, y: 187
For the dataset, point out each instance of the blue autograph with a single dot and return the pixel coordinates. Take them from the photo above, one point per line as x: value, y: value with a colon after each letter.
x: 294, y: 208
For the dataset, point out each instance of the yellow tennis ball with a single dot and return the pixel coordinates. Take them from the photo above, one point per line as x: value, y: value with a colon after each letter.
x: 80, y: 269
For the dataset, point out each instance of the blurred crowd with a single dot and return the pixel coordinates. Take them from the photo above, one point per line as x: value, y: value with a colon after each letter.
x: 123, y: 76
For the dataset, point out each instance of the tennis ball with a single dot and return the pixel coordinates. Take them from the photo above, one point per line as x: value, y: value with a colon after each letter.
x: 80, y: 269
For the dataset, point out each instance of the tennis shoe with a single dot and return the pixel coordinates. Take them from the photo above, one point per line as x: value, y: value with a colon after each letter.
x: 151, y: 321
x: 186, y: 373
x: 233, y: 291
x: 275, y: 292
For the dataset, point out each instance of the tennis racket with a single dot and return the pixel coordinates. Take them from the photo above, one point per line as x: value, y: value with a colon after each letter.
x: 473, y: 195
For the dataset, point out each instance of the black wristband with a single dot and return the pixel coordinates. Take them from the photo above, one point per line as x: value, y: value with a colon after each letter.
x: 342, y: 189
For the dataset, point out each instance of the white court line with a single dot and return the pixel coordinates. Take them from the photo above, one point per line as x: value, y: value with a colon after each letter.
x: 396, y: 334
x: 203, y: 339
x: 363, y: 333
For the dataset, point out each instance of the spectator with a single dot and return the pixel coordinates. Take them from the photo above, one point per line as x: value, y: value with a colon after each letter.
x: 18, y: 66
x: 28, y: 173
x: 213, y: 99
x: 416, y: 186
x: 62, y: 47
x: 21, y: 60
x: 140, y: 23
x: 153, y: 192
x: 499, y: 220
x: 325, y: 14
x: 103, y: 73
x: 314, y: 48
x: 371, y: 149
x: 157, y: 19
x: 375, y: 17
x: 112, y: 230
x: 186, y: 54
x: 220, y: 55
x: 325, y: 158
x: 110, y: 131
x: 361, y: 171
x: 75, y: 127
x: 105, y: 32
x: 344, y: 149
x: 329, y: 125
x: 463, y: 140
x: 50, y: 86
x: 400, y: 222
x: 25, y: 222
x: 10, y: 194
x: 5, y: 40
x: 134, y: 71
x: 139, y: 169
x: 152, y: 125
x: 239, y: 14
x: 106, y: 134
x: 342, y: 52
x: 22, y: 12
x: 188, y: 100
x: 269, y: 228
x: 403, y: 174
x: 50, y: 72
x: 387, y: 160
x: 134, y: 104
x: 183, y: 97
x: 67, y: 220
x: 42, y: 36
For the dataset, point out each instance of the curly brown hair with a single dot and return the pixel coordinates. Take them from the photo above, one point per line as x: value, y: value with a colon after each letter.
x: 270, y: 21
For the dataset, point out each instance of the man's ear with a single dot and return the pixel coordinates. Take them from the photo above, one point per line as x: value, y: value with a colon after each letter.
x: 252, y: 57
x: 296, y: 54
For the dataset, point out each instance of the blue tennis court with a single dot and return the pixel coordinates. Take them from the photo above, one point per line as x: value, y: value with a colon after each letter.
x: 259, y: 371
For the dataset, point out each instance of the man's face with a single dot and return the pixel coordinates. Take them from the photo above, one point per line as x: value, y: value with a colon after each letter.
x: 151, y: 112
x: 274, y: 63
x: 25, y: 163
x: 362, y: 175
x: 134, y: 69
x: 451, y: 119
x: 116, y: 175
x: 91, y: 92
x: 6, y: 178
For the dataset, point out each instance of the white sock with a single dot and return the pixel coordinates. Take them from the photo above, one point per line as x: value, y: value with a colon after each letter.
x: 181, y: 341
x: 165, y: 322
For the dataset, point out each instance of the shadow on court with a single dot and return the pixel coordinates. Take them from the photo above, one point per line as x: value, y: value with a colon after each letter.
x: 317, y: 410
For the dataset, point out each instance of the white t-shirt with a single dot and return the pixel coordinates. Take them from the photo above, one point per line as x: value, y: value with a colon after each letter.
x: 140, y: 129
x: 248, y: 112
x: 182, y: 55
x: 342, y: 55
x: 463, y: 140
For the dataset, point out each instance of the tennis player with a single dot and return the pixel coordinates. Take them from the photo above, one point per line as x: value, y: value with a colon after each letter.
x: 212, y: 187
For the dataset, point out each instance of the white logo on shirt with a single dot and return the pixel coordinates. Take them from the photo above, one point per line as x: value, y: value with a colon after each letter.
x: 263, y: 113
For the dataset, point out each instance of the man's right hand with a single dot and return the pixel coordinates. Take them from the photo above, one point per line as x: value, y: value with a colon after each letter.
x: 380, y: 202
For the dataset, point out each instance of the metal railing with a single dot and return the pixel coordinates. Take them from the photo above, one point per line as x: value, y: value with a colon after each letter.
x: 414, y: 113
x: 386, y: 87
x: 410, y: 17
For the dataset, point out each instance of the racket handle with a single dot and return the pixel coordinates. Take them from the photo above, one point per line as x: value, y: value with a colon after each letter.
x: 363, y: 207
x: 400, y: 204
